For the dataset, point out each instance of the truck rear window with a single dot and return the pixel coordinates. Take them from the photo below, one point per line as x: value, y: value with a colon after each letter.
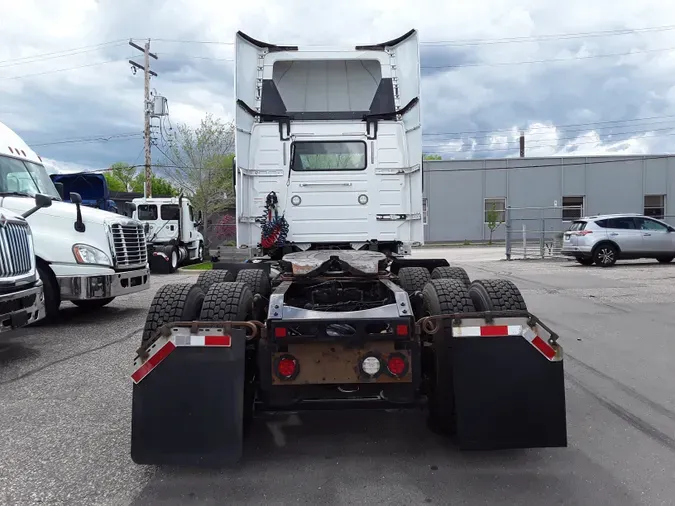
x: 329, y: 155
x: 147, y: 212
x: 170, y: 212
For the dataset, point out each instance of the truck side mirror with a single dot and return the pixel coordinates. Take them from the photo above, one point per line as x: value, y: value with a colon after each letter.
x: 61, y: 189
x: 131, y: 206
x: 76, y: 199
x: 40, y: 202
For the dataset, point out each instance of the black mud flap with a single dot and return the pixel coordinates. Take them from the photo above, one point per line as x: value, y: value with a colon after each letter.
x: 189, y: 410
x: 507, y: 395
x: 159, y: 264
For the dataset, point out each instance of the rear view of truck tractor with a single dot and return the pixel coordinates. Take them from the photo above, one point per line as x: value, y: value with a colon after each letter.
x: 332, y: 310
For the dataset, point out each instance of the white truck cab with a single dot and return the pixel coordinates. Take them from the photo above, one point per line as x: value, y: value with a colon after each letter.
x: 21, y: 294
x: 171, y: 231
x: 83, y: 255
x: 330, y: 140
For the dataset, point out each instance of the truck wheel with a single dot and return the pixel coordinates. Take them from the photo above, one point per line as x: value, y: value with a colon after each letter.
x: 173, y: 259
x: 442, y: 297
x: 52, y: 293
x: 451, y: 273
x: 233, y: 301
x: 257, y: 281
x: 172, y: 303
x: 93, y: 304
x: 413, y: 279
x: 496, y: 295
x: 200, y: 253
x: 207, y: 278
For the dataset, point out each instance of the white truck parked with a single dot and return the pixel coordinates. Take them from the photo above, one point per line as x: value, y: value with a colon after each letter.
x: 83, y: 255
x: 21, y: 295
x: 171, y: 232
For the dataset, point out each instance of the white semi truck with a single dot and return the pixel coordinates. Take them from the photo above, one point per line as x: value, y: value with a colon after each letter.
x: 333, y: 311
x: 21, y: 295
x: 83, y: 255
x: 172, y: 234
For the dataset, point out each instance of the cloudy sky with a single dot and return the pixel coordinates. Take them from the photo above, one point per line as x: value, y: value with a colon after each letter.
x: 578, y: 77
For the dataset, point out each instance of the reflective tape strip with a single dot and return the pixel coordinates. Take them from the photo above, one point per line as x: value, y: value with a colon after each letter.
x: 153, y: 361
x: 196, y: 340
x: 539, y: 343
x: 488, y: 331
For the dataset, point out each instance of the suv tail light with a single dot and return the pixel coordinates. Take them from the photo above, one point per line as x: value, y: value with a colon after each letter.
x: 583, y: 232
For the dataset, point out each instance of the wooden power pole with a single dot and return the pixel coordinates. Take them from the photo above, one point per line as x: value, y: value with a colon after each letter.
x: 147, y: 110
x: 522, y: 144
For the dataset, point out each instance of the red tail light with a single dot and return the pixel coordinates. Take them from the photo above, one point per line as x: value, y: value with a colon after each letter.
x: 287, y: 367
x: 397, y: 364
x: 584, y: 232
x: 280, y: 332
x: 401, y: 330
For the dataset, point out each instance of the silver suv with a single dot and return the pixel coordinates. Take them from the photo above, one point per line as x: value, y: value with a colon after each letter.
x: 607, y: 238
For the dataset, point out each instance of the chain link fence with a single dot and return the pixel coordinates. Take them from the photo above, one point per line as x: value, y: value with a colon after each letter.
x: 537, y: 232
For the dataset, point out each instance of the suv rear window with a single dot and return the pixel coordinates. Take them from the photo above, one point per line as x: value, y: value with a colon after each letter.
x: 626, y: 223
x: 601, y: 223
x: 577, y: 225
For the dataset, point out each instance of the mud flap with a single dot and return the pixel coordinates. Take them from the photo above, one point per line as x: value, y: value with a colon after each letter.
x: 189, y: 410
x: 507, y: 395
x: 159, y: 263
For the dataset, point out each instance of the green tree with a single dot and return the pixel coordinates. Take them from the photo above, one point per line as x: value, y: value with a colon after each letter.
x: 199, y: 162
x: 160, y: 186
x: 121, y: 176
x: 432, y: 157
x: 493, y: 219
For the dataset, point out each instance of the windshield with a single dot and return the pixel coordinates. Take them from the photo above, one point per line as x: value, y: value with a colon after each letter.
x: 24, y: 177
x: 329, y: 155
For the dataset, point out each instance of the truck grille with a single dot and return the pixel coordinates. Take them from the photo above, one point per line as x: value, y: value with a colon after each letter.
x: 16, y: 255
x: 130, y: 248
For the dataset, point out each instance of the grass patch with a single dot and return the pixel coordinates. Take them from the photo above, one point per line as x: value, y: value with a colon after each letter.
x: 204, y: 266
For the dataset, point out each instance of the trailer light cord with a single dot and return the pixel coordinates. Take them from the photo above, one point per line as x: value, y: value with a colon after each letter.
x: 274, y: 228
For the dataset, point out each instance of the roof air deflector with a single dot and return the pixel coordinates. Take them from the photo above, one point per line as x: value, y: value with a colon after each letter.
x: 272, y: 48
x: 383, y: 45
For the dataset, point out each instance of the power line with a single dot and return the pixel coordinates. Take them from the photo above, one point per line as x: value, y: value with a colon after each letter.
x: 463, y: 42
x: 98, y: 138
x: 64, y: 69
x: 57, y: 54
x: 49, y: 58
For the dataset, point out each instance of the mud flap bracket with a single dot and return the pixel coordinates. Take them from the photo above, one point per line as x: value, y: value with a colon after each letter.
x: 189, y: 409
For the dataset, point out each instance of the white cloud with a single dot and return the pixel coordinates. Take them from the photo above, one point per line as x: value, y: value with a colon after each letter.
x: 480, y: 104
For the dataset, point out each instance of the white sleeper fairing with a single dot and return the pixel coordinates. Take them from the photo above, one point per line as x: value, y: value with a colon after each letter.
x: 336, y: 135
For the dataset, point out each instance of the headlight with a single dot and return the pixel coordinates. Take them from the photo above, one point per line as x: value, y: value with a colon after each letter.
x: 85, y: 254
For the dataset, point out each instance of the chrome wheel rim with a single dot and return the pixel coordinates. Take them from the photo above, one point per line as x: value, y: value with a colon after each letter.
x: 606, y: 256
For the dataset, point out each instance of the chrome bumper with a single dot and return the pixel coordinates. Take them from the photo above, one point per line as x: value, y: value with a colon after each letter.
x: 21, y: 308
x: 102, y: 287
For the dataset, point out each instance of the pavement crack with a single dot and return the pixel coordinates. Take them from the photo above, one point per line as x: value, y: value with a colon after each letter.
x: 70, y: 357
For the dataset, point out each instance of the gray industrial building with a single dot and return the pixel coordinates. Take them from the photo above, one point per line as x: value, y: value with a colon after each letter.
x: 543, y: 194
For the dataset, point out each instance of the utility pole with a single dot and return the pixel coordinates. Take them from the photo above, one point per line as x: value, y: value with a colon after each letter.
x: 522, y: 144
x: 147, y: 109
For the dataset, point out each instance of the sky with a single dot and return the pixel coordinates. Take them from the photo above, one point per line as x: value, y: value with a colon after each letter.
x: 577, y: 77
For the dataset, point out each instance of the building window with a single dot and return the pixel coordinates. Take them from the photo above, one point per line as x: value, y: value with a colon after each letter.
x: 495, y: 204
x: 655, y: 206
x: 572, y: 208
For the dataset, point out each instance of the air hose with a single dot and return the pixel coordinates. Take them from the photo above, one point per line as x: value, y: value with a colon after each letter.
x: 274, y: 227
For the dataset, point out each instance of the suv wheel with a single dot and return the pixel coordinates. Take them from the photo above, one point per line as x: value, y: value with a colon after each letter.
x: 605, y: 255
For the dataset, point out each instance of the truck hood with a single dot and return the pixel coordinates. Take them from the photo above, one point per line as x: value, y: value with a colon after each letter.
x: 63, y: 210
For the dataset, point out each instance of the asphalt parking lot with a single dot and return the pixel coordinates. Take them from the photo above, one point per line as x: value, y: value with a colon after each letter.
x: 65, y: 394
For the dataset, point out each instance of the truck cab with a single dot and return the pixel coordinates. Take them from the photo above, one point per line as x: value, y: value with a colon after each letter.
x: 83, y: 255
x: 171, y: 226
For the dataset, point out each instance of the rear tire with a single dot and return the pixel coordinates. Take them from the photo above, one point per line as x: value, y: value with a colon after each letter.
x: 605, y: 255
x: 443, y: 297
x: 496, y: 295
x: 233, y: 301
x: 413, y: 279
x: 93, y: 304
x: 172, y: 303
x: 257, y: 280
x: 665, y: 260
x: 451, y: 273
x: 208, y: 278
x: 173, y: 260
x: 52, y: 293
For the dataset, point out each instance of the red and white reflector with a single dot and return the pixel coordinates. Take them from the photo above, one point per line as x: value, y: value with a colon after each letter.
x: 542, y: 345
x: 158, y: 354
x: 488, y: 331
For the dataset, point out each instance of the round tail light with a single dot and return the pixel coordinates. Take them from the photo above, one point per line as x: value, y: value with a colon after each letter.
x: 287, y: 367
x: 397, y: 365
x: 371, y: 365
